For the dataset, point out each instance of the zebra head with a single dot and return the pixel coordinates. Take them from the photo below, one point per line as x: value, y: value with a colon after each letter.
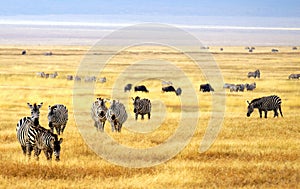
x: 135, y: 103
x: 250, y: 109
x: 55, y: 145
x: 35, y: 112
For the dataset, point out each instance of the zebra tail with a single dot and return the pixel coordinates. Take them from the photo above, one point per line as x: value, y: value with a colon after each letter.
x: 280, y: 111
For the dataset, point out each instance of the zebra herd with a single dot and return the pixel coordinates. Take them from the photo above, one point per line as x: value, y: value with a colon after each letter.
x: 33, y: 137
x: 116, y: 114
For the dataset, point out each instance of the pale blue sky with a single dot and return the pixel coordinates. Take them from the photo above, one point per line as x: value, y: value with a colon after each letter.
x: 260, y: 8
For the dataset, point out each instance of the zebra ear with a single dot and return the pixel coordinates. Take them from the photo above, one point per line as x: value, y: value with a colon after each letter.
x: 40, y: 105
x: 248, y: 102
x: 60, y: 140
x: 29, y: 105
x: 132, y: 98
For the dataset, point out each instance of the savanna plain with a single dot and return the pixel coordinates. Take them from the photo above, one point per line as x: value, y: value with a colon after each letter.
x: 249, y: 152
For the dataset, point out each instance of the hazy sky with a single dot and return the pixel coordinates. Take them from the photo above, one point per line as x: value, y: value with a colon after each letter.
x: 261, y: 8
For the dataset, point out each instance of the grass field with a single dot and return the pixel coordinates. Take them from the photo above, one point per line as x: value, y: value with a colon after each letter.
x: 249, y: 152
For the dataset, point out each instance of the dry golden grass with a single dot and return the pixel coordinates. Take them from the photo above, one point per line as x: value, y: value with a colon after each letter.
x: 248, y: 153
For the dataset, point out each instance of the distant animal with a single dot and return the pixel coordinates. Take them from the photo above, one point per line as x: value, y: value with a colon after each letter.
x: 54, y: 75
x: 250, y: 50
x: 172, y: 89
x: 233, y: 88
x: 47, y: 75
x: 90, y: 79
x: 274, y: 50
x: 116, y: 115
x: 48, y: 53
x: 40, y: 74
x: 295, y: 48
x: 98, y: 113
x: 265, y: 104
x: 24, y: 52
x: 77, y: 78
x: 128, y: 87
x: 69, y: 77
x: 141, y: 107
x: 166, y: 83
x: 294, y: 76
x: 250, y: 87
x: 102, y: 79
x: 27, y: 129
x: 240, y: 87
x: 227, y: 85
x: 254, y: 74
x: 221, y: 49
x: 141, y: 88
x: 206, y: 88
x: 57, y: 117
x: 49, y: 143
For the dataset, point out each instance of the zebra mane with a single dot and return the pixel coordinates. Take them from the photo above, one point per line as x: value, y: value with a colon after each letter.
x: 255, y: 100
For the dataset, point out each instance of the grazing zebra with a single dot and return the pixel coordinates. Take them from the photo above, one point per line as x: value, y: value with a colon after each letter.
x: 98, y: 113
x: 102, y: 79
x: 142, y: 107
x: 26, y: 129
x: 116, y: 115
x: 54, y: 75
x: 58, y: 117
x: 69, y: 77
x: 40, y: 74
x: 77, y: 78
x: 265, y: 104
x: 294, y: 76
x: 48, y: 142
x: 254, y: 74
x: 250, y: 87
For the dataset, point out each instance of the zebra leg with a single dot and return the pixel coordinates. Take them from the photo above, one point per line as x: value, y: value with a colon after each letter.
x: 136, y: 116
x: 57, y: 129
x: 142, y: 116
x: 102, y: 126
x: 149, y: 115
x: 112, y: 126
x: 37, y: 152
x: 63, y: 128
x: 51, y: 127
x: 28, y: 149
x: 275, y: 113
x: 24, y: 150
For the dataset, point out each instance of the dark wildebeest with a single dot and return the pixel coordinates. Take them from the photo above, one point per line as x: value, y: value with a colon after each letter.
x: 141, y: 88
x: 128, y: 87
x: 172, y: 89
x: 250, y: 87
x: 24, y: 52
x: 206, y: 88
x: 274, y: 50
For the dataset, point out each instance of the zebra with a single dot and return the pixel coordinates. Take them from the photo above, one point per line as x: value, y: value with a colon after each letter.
x: 40, y: 74
x: 250, y: 87
x: 48, y: 142
x: 265, y: 104
x: 69, y: 77
x: 128, y: 87
x: 254, y: 74
x: 116, y: 115
x: 98, y: 113
x: 102, y: 80
x: 142, y: 107
x: 26, y: 129
x: 58, y: 117
x: 294, y: 76
x: 54, y: 75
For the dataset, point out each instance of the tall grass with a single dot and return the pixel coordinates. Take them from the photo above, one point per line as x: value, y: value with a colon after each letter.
x: 249, y: 152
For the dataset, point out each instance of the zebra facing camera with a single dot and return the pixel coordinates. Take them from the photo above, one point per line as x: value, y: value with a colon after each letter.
x: 146, y: 70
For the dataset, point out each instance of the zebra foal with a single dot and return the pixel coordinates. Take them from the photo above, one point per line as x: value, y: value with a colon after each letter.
x: 142, y: 107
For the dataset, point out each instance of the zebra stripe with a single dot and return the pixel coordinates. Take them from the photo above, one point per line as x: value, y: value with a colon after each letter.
x: 58, y: 117
x: 116, y: 115
x: 265, y: 104
x: 98, y: 113
x: 142, y: 107
x: 48, y: 142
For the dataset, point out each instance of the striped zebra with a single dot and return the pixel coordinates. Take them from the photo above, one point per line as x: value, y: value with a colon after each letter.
x: 27, y: 129
x: 58, y: 117
x: 142, y: 107
x: 265, y: 104
x: 98, y: 113
x: 116, y: 115
x: 254, y: 74
x: 48, y: 142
